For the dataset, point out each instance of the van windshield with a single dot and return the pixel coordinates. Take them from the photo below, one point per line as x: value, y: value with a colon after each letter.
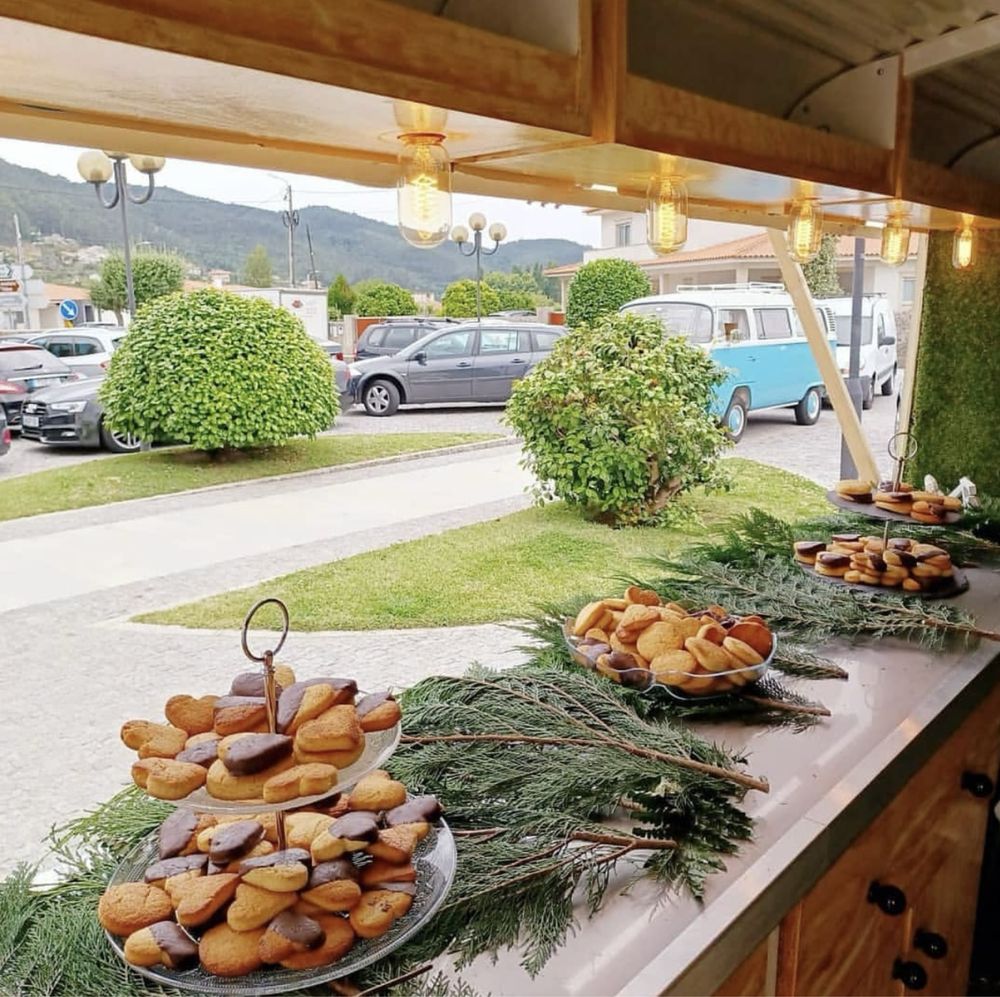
x: 678, y: 318
x: 844, y: 330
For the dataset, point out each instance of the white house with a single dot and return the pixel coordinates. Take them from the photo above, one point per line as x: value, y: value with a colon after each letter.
x: 722, y: 253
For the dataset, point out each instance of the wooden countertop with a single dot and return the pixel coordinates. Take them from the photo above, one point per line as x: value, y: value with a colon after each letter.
x: 899, y: 704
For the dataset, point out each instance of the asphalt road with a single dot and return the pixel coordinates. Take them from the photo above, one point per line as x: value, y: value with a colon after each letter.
x: 771, y: 437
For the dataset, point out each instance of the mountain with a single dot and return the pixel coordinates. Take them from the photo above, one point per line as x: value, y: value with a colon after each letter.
x: 218, y: 235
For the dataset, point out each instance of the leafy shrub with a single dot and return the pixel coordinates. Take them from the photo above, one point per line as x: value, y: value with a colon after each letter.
x: 601, y: 287
x: 821, y: 271
x: 382, y: 299
x: 615, y: 420
x: 516, y: 290
x: 216, y: 370
x: 153, y: 275
x: 339, y: 297
x: 459, y: 299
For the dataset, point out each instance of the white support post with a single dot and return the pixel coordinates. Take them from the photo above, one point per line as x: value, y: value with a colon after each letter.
x: 825, y: 359
x: 905, y: 412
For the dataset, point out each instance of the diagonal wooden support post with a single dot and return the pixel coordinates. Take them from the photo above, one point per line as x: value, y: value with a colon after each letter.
x: 826, y: 360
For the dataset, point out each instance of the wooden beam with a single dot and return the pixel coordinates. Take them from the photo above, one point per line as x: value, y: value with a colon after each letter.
x: 905, y: 413
x: 610, y: 57
x: 826, y: 361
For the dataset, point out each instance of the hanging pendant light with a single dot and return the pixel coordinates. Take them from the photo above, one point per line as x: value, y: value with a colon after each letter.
x: 805, y: 229
x: 895, y: 239
x: 963, y: 253
x: 423, y: 190
x: 666, y: 214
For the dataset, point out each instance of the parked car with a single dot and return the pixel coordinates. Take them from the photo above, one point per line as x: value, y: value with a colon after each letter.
x: 4, y: 433
x: 385, y: 339
x: 86, y: 351
x: 516, y: 315
x: 879, y: 367
x: 25, y: 369
x: 71, y: 415
x: 753, y: 332
x: 466, y: 363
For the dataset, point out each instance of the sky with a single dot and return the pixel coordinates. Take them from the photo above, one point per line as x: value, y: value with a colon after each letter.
x: 259, y: 188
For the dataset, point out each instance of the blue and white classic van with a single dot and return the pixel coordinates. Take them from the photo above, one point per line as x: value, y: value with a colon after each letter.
x: 753, y: 332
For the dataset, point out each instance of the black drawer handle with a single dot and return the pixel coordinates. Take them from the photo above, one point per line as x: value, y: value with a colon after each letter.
x: 890, y: 900
x: 912, y: 975
x: 931, y: 944
x: 978, y: 783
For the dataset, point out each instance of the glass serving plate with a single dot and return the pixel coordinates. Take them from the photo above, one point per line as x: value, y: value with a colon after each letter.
x: 435, y: 861
x: 644, y: 680
x: 379, y: 746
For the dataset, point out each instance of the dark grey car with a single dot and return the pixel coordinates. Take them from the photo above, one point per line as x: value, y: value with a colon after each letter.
x: 4, y: 433
x: 25, y: 369
x: 465, y: 363
x: 386, y: 339
x: 71, y: 415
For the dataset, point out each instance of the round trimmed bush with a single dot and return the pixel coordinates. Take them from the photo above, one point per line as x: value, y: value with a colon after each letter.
x: 382, y: 299
x: 459, y: 299
x: 616, y: 420
x: 216, y: 370
x: 602, y: 287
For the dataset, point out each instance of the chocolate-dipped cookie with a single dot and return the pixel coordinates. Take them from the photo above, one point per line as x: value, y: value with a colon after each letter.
x: 252, y: 753
x: 161, y: 944
x: 378, y: 711
x: 289, y: 933
x: 176, y: 832
x: 230, y: 841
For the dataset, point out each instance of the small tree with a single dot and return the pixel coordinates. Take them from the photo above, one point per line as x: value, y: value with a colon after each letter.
x: 515, y: 290
x: 384, y: 299
x: 153, y: 275
x: 218, y: 371
x: 616, y: 422
x: 821, y: 271
x: 339, y: 297
x: 257, y: 270
x: 603, y: 286
x: 459, y: 299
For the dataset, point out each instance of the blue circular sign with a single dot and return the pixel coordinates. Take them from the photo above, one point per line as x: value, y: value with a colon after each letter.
x: 69, y: 309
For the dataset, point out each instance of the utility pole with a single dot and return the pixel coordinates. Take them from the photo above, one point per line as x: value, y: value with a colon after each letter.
x: 313, y: 275
x: 290, y: 219
x: 20, y: 271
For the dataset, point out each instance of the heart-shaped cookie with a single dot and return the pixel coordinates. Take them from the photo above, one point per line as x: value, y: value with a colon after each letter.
x: 190, y: 714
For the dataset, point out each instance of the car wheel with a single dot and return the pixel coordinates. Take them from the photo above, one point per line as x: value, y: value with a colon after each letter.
x: 735, y: 420
x: 889, y: 385
x: 119, y: 442
x: 868, y: 398
x: 380, y: 398
x: 808, y: 409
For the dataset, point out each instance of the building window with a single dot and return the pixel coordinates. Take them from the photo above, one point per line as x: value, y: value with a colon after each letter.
x: 623, y: 234
x: 907, y: 290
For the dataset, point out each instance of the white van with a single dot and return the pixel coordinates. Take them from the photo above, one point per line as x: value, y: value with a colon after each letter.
x: 878, y: 366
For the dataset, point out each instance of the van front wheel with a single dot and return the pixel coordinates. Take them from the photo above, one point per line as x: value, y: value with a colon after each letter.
x: 735, y: 419
x: 808, y: 410
x: 889, y: 384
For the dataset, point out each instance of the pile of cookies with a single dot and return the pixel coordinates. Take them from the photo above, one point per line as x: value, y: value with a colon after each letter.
x: 923, y: 507
x: 638, y: 641
x: 223, y: 743
x: 221, y: 895
x: 897, y: 563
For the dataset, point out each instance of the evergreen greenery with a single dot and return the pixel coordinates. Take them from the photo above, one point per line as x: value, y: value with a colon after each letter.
x: 956, y: 403
x: 217, y: 371
x: 153, y: 275
x: 821, y: 271
x: 516, y: 290
x: 459, y: 299
x: 258, y: 270
x: 602, y: 287
x: 340, y: 297
x: 381, y: 299
x: 616, y: 419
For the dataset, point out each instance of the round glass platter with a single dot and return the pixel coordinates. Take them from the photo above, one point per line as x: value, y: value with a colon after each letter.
x: 379, y: 746
x: 435, y: 860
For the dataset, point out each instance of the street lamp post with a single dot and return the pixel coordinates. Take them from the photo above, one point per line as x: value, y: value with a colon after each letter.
x: 460, y: 236
x: 98, y: 168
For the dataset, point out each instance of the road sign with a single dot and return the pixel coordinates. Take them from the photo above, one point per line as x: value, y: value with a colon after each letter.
x: 69, y: 309
x: 9, y: 286
x: 6, y: 271
x: 11, y: 302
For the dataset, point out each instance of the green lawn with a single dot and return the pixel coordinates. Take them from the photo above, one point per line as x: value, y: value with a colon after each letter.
x: 492, y: 571
x: 161, y: 472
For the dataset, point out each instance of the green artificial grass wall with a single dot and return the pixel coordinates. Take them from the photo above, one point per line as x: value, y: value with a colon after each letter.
x: 956, y: 403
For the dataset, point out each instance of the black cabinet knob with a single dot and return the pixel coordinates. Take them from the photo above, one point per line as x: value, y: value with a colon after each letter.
x: 977, y: 783
x: 890, y: 900
x: 912, y: 975
x: 930, y: 943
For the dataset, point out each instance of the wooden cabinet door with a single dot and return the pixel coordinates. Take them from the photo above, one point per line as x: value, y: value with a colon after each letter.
x: 749, y: 978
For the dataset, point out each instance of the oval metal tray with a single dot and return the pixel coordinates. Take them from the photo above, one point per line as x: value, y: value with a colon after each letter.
x: 435, y: 861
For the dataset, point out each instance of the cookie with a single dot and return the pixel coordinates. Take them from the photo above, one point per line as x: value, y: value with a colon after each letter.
x: 714, y: 632
x: 338, y: 937
x: 288, y: 934
x: 224, y: 952
x: 658, y: 638
x: 280, y: 872
x: 311, y: 779
x: 252, y: 683
x: 380, y: 871
x: 254, y: 907
x: 298, y: 704
x: 196, y: 901
x: 676, y: 662
x: 167, y: 779
x: 337, y: 729
x: 196, y: 716
x: 333, y: 886
x: 175, y: 833
x: 226, y: 785
x: 163, y: 870
x: 852, y: 487
x: 377, y: 911
x: 710, y: 657
x: 161, y: 944
x: 377, y: 791
x: 129, y: 907
x: 153, y: 740
x: 203, y: 753
x: 741, y: 651
x: 301, y: 828
x: 349, y: 833
x: 378, y: 711
x: 397, y: 844
x: 806, y: 550
x: 340, y: 760
x: 231, y: 841
x: 420, y: 809
x: 641, y: 597
x: 588, y: 617
x: 248, y: 754
x: 263, y: 849
x: 236, y: 714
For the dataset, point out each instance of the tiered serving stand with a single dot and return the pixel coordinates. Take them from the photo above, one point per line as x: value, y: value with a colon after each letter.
x: 435, y: 861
